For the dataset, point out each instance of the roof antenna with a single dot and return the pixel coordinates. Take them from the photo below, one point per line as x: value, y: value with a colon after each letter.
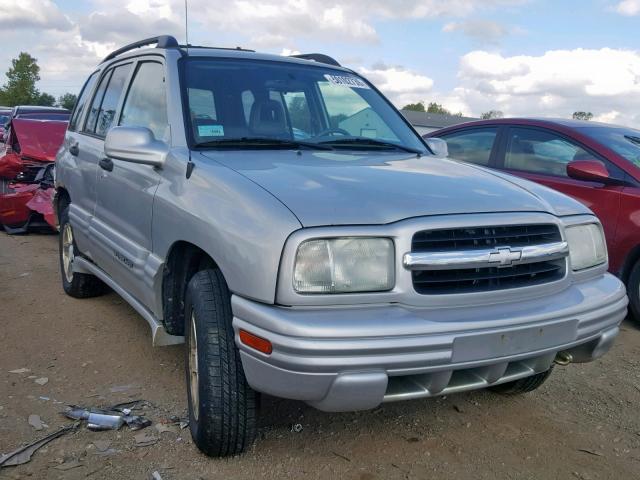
x: 186, y: 24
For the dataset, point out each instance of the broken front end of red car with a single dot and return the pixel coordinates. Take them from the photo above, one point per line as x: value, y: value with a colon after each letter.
x: 26, y: 174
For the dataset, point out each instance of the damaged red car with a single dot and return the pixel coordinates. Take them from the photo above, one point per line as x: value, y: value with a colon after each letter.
x: 26, y: 174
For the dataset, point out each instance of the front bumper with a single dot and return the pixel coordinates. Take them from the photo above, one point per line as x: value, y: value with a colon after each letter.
x: 354, y: 358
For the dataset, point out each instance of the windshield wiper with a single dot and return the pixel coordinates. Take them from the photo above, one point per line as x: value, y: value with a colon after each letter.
x: 372, y: 142
x: 263, y: 141
x: 633, y: 139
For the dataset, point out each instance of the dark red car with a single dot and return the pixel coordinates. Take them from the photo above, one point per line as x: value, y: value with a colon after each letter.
x: 26, y: 174
x: 597, y: 164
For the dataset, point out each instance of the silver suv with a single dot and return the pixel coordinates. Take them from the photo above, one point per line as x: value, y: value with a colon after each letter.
x: 282, y: 218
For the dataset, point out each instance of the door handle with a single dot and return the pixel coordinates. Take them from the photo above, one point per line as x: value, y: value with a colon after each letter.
x: 74, y: 149
x: 106, y: 164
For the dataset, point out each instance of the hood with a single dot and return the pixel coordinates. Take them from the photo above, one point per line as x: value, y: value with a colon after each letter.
x: 39, y: 139
x: 344, y: 188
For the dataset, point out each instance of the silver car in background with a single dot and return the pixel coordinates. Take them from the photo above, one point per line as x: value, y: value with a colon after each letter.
x: 282, y: 218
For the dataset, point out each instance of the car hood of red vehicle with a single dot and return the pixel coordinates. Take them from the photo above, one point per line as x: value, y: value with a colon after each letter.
x: 39, y: 139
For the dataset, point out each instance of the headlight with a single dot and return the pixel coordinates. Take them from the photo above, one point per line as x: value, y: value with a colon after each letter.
x: 343, y: 265
x: 587, y: 247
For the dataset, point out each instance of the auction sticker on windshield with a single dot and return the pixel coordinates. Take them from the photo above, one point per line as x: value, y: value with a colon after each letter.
x: 346, y: 81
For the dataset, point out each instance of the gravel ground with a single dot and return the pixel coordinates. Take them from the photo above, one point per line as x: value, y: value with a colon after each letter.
x: 583, y: 423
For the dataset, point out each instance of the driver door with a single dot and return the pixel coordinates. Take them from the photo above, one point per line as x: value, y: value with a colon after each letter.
x: 126, y: 190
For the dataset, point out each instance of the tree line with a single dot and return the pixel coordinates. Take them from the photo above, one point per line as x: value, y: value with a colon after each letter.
x: 20, y: 88
x: 434, y: 107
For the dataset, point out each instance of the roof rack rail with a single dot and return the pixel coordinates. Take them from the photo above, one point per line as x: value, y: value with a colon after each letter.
x: 238, y: 49
x: 318, y: 57
x: 161, y: 41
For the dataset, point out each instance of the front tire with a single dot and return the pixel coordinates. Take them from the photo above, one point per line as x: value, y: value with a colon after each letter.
x: 222, y: 405
x: 77, y: 285
x: 524, y: 385
x: 633, y: 291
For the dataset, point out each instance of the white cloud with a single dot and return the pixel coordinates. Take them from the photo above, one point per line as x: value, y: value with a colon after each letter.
x: 402, y: 86
x: 42, y: 14
x: 556, y: 83
x: 628, y: 7
x: 121, y: 27
x: 276, y: 23
x: 607, y: 117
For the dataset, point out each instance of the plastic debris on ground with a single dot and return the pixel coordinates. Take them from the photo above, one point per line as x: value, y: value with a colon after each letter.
x: 23, y: 454
x: 106, y: 419
x: 20, y: 370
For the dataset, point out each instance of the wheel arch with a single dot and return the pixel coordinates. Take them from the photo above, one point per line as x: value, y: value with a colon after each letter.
x: 61, y: 197
x: 630, y: 260
x: 184, y: 260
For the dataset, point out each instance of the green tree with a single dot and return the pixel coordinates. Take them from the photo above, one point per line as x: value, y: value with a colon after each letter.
x: 20, y: 88
x: 582, y: 116
x: 68, y: 100
x: 437, y: 108
x: 415, y: 107
x: 46, y: 100
x: 491, y: 114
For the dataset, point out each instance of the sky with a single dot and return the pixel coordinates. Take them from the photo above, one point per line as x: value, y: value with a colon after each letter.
x: 522, y: 57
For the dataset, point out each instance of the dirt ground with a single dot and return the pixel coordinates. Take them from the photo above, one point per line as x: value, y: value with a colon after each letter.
x: 583, y: 423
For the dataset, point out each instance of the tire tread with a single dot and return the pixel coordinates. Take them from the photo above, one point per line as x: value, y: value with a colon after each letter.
x: 227, y: 420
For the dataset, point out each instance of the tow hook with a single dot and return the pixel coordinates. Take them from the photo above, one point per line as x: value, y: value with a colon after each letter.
x: 563, y: 358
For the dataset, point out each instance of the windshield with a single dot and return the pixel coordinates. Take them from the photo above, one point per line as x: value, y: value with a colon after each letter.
x: 262, y: 104
x: 623, y: 141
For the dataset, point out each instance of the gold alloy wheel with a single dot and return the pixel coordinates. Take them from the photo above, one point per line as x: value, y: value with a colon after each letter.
x: 193, y: 367
x: 68, y: 252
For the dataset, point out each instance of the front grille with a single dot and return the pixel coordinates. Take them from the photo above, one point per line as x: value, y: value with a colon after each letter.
x: 465, y: 280
x: 483, y: 237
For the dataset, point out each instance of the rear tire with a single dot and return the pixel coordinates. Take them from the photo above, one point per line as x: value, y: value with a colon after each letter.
x: 222, y: 405
x: 524, y: 385
x: 633, y: 291
x: 77, y: 285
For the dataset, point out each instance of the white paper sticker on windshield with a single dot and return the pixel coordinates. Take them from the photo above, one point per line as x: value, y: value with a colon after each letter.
x: 346, y: 81
x: 210, y: 130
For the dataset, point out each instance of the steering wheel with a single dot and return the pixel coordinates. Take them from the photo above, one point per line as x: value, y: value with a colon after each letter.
x: 330, y: 131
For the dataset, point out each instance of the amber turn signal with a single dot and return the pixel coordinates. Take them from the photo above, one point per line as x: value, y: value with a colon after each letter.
x: 255, y: 342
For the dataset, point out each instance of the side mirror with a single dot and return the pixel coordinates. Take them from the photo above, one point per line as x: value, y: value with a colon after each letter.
x: 135, y: 145
x: 438, y: 146
x: 588, y: 170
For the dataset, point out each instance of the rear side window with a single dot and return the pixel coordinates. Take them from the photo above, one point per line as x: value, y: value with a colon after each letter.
x: 539, y: 151
x: 82, y: 100
x: 473, y: 146
x: 146, y: 102
x: 105, y: 102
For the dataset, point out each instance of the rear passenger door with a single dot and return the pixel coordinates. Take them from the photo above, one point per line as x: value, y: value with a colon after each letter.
x: 125, y: 193
x: 76, y: 174
x: 542, y: 155
x: 473, y: 145
x: 90, y: 150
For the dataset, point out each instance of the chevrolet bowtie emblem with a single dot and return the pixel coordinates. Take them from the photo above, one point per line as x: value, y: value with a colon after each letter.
x: 504, y: 257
